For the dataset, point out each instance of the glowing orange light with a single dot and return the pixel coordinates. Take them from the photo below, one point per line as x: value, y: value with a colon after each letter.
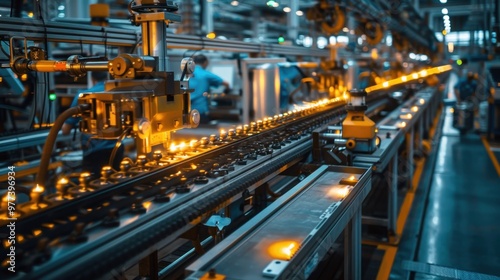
x: 385, y: 84
x: 283, y: 250
x: 338, y: 192
x: 147, y: 204
x: 182, y: 146
x: 173, y: 148
x: 193, y: 143
x: 414, y: 109
x: 414, y: 76
x: 211, y: 35
x: 38, y: 189
x: 37, y: 232
x: 63, y: 181
x: 404, y: 78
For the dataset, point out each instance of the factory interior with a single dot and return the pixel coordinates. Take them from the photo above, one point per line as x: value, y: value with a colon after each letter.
x: 250, y: 139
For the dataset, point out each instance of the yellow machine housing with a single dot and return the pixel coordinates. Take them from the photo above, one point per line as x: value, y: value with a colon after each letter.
x: 358, y: 126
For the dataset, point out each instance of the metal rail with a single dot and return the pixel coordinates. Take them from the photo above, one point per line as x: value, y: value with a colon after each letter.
x: 36, y: 30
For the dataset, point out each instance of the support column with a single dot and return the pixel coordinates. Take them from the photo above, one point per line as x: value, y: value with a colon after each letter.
x: 293, y: 21
x: 207, y: 17
x: 153, y: 41
x: 392, y: 206
x: 409, y: 151
x: 352, y: 248
x: 148, y: 267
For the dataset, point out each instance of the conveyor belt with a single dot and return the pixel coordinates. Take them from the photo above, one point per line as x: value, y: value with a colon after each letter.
x: 312, y: 214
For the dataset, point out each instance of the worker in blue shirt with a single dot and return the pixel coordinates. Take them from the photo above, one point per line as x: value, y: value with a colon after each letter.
x: 201, y: 81
x: 96, y: 152
x: 466, y: 88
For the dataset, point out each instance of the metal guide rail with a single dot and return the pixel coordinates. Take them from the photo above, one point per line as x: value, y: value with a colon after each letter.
x: 289, y: 238
x: 420, y: 109
x: 33, y: 29
x: 62, y: 233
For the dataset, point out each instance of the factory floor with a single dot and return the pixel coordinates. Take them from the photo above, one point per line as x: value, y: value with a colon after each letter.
x: 453, y: 229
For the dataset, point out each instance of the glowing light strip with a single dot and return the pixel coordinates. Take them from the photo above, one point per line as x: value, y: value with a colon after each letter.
x: 410, y: 77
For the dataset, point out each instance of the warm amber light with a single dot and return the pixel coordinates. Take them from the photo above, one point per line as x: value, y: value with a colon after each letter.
x: 63, y: 181
x: 414, y: 109
x: 147, y: 204
x: 338, y: 192
x: 283, y: 250
x: 404, y: 78
x: 211, y: 35
x: 421, y: 101
x: 414, y: 76
x: 385, y: 84
x: 38, y: 189
x: 173, y: 148
x: 193, y: 143
x: 182, y: 146
x: 37, y: 232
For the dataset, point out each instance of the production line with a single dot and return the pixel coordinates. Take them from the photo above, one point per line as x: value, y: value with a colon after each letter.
x: 271, y: 197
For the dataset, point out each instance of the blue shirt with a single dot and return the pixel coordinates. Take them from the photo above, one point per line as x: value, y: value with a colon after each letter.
x: 90, y: 145
x: 201, y: 81
x: 466, y: 88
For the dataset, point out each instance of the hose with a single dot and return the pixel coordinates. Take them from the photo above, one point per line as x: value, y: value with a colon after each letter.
x: 41, y: 176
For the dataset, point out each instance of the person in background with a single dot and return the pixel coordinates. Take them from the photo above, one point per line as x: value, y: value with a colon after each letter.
x: 466, y: 88
x: 201, y: 81
x: 96, y: 152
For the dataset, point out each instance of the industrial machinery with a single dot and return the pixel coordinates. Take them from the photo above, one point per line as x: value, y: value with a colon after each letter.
x: 308, y: 169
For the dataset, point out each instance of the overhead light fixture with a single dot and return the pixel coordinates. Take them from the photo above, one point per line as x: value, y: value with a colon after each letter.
x: 299, y: 13
x: 446, y: 17
x: 235, y: 3
x: 444, y: 11
x: 451, y: 47
x: 443, y: 1
x: 272, y: 3
x: 287, y: 9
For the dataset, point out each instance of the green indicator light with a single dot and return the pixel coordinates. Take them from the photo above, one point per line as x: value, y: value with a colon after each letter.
x: 52, y: 96
x: 459, y: 62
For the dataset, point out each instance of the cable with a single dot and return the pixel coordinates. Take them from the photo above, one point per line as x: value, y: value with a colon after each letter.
x: 34, y: 103
x: 117, y: 145
x: 41, y: 176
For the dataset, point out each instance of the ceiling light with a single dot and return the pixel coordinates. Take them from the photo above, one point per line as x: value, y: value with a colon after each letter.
x: 287, y: 9
x: 443, y: 1
x: 235, y: 3
x: 345, y: 29
x: 444, y: 11
x: 446, y: 17
x: 299, y: 13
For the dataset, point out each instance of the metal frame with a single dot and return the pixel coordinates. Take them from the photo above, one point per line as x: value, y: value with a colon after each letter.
x: 387, y: 155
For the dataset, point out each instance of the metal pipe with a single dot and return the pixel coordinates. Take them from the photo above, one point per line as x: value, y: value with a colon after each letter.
x: 154, y: 41
x: 330, y: 136
x: 340, y: 142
